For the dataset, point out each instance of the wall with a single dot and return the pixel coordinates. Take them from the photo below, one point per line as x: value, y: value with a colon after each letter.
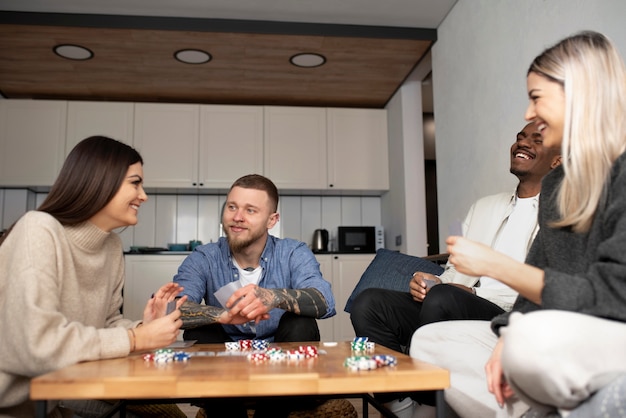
x: 404, y: 206
x: 479, y: 63
x: 167, y: 219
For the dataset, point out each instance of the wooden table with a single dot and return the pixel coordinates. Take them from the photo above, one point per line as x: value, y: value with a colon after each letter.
x: 216, y: 375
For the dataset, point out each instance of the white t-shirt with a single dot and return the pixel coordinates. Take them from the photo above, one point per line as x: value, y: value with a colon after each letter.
x: 247, y: 276
x: 514, y: 236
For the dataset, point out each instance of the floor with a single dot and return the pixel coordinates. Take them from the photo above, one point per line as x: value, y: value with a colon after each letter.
x: 191, y: 411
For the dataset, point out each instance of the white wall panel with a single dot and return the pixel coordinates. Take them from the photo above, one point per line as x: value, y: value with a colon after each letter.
x: 186, y: 218
x: 208, y: 218
x: 291, y: 207
x: 165, y: 227
x: 350, y: 211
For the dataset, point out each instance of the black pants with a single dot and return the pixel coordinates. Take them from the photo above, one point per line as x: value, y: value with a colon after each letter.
x: 291, y: 328
x: 390, y: 318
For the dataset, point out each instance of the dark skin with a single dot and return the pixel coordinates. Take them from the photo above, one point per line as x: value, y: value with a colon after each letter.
x: 530, y: 162
x: 248, y: 216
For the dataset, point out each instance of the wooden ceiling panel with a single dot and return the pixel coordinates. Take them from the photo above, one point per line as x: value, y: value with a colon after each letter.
x: 137, y: 64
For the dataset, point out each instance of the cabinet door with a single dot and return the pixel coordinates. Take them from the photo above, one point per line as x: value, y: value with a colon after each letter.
x: 166, y: 135
x: 231, y: 144
x: 32, y: 141
x: 357, y: 149
x: 327, y: 326
x: 295, y: 147
x: 85, y: 119
x: 347, y: 270
x: 144, y: 275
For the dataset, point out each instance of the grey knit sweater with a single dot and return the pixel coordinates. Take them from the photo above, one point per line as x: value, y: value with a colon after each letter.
x: 60, y: 298
x: 584, y: 273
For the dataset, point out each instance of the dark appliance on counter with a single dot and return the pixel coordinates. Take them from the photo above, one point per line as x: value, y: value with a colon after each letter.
x: 360, y: 239
x: 320, y: 241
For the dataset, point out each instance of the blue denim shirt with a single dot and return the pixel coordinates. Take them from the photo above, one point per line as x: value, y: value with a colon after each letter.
x: 285, y: 263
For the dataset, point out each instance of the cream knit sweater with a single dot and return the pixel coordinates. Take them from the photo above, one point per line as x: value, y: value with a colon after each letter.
x: 60, y: 299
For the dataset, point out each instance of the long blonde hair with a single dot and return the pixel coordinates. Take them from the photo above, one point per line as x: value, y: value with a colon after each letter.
x: 593, y: 77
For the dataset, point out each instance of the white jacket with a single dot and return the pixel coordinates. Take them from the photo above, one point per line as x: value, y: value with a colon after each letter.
x: 483, y: 223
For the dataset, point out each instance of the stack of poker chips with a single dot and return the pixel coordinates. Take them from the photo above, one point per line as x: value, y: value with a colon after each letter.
x: 277, y: 354
x: 369, y: 362
x: 166, y: 355
x: 362, y: 345
x: 244, y: 345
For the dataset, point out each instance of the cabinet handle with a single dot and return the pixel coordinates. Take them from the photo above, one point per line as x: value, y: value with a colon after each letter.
x: 194, y: 184
x: 201, y: 184
x: 331, y: 185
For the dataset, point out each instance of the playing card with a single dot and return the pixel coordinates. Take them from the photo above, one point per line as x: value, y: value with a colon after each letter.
x: 456, y: 228
x: 223, y: 293
x: 171, y: 307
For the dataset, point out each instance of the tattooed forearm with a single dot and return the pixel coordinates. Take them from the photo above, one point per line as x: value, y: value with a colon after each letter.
x: 306, y: 302
x: 196, y: 315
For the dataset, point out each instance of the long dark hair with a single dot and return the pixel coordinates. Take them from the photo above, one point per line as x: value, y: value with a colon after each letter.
x: 90, y: 177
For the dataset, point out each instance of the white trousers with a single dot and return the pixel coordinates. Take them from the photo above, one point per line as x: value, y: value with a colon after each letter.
x: 558, y: 359
x: 462, y: 347
x: 553, y: 359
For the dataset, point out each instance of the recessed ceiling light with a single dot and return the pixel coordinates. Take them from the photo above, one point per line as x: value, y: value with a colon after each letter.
x: 192, y: 56
x: 73, y: 52
x: 307, y: 60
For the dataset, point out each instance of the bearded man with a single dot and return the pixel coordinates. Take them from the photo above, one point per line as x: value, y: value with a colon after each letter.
x: 279, y: 291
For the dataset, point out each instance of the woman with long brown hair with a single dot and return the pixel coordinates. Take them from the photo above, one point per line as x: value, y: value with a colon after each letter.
x: 63, y: 273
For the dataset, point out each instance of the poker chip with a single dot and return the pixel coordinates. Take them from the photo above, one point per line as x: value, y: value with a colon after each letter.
x: 362, y: 345
x: 260, y: 344
x: 384, y: 360
x: 357, y: 363
x: 258, y: 357
x: 165, y: 355
x: 295, y: 355
x: 232, y: 346
x: 309, y: 351
x: 246, y: 345
x: 181, y: 356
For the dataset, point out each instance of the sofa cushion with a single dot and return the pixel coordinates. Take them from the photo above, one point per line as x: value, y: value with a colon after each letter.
x: 391, y: 270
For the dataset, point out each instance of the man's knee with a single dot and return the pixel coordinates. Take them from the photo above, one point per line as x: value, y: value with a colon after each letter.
x: 294, y: 328
x: 365, y: 302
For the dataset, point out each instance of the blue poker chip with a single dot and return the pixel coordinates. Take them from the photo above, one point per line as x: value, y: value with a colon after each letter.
x: 181, y: 356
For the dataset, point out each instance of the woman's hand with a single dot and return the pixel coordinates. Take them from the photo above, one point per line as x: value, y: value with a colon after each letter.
x: 159, y: 332
x: 470, y: 257
x: 157, y: 305
x: 496, y: 382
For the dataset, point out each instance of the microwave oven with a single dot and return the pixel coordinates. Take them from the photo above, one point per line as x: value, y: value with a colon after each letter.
x: 360, y: 239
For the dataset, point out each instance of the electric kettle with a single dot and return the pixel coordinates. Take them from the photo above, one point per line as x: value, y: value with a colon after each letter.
x: 320, y: 241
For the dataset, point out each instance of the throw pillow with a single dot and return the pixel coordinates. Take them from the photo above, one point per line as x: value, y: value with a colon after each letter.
x: 391, y: 270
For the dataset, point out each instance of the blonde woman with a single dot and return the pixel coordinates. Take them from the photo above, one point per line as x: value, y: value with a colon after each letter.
x: 566, y: 336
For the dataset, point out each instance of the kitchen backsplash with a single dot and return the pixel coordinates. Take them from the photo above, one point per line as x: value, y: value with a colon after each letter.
x: 167, y: 219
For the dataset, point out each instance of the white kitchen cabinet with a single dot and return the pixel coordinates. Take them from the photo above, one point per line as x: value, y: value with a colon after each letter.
x: 231, y: 144
x: 144, y: 275
x: 112, y: 119
x: 357, y: 149
x: 32, y: 141
x: 295, y: 147
x: 166, y: 136
x: 343, y: 271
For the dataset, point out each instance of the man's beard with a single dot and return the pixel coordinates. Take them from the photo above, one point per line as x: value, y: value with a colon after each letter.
x: 238, y: 244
